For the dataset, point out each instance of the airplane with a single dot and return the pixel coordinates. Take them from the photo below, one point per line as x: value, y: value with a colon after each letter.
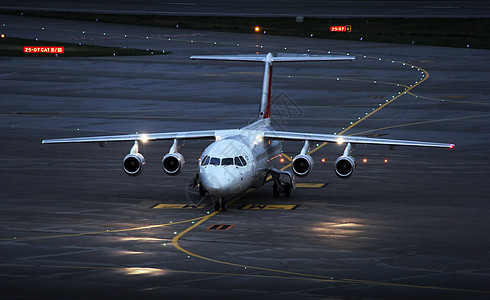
x: 248, y: 157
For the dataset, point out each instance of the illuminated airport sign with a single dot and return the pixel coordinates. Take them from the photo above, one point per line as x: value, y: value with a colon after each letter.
x: 44, y: 49
x: 343, y: 28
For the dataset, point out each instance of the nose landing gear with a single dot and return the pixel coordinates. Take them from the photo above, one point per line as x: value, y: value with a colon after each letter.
x: 219, y: 203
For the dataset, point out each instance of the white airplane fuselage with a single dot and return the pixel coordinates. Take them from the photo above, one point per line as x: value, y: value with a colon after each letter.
x: 224, y: 173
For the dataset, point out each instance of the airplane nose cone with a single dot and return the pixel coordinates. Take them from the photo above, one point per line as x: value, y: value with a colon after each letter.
x: 220, y: 182
x: 213, y: 185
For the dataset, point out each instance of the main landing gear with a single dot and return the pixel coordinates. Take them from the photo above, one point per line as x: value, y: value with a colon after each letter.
x: 281, y: 185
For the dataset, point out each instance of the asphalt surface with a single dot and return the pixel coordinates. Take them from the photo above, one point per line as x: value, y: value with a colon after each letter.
x: 278, y: 8
x: 74, y: 226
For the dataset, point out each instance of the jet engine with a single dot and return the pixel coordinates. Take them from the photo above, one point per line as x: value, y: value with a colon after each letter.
x: 133, y: 163
x: 172, y: 163
x: 345, y: 166
x: 302, y: 164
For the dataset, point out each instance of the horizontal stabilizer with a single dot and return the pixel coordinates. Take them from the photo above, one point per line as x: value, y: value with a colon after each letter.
x: 277, y: 57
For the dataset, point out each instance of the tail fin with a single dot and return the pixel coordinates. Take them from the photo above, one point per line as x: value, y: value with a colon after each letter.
x: 268, y: 59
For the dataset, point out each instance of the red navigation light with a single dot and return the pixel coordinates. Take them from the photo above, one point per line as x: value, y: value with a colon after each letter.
x: 385, y: 160
x: 451, y: 146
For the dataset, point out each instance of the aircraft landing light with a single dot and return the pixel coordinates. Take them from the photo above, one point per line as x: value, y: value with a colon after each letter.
x: 268, y: 207
x: 144, y: 138
x: 310, y: 185
x: 220, y: 227
x: 179, y: 206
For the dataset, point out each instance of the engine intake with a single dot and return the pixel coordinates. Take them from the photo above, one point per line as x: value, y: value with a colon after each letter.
x: 302, y: 164
x: 345, y: 166
x: 172, y: 163
x: 133, y: 164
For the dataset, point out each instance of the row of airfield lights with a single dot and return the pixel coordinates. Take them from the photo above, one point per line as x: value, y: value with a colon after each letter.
x: 125, y: 36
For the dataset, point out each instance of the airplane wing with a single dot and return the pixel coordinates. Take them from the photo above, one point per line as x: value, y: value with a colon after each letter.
x: 183, y: 135
x: 296, y: 136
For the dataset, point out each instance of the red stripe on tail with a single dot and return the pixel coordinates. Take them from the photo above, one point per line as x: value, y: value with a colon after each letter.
x: 267, y: 113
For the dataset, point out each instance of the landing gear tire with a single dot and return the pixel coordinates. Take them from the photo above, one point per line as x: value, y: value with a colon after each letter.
x: 275, y: 191
x: 287, y: 190
x: 220, y: 204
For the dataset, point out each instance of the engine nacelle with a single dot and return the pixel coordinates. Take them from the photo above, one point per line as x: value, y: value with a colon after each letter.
x: 345, y: 166
x: 172, y: 163
x: 302, y: 164
x: 133, y: 164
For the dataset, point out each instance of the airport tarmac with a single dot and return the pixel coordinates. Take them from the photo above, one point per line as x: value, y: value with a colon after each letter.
x: 74, y: 226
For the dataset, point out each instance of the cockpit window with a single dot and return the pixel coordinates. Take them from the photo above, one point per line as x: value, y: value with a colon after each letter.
x: 227, y: 161
x: 244, y: 162
x: 238, y: 162
x: 214, y: 161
